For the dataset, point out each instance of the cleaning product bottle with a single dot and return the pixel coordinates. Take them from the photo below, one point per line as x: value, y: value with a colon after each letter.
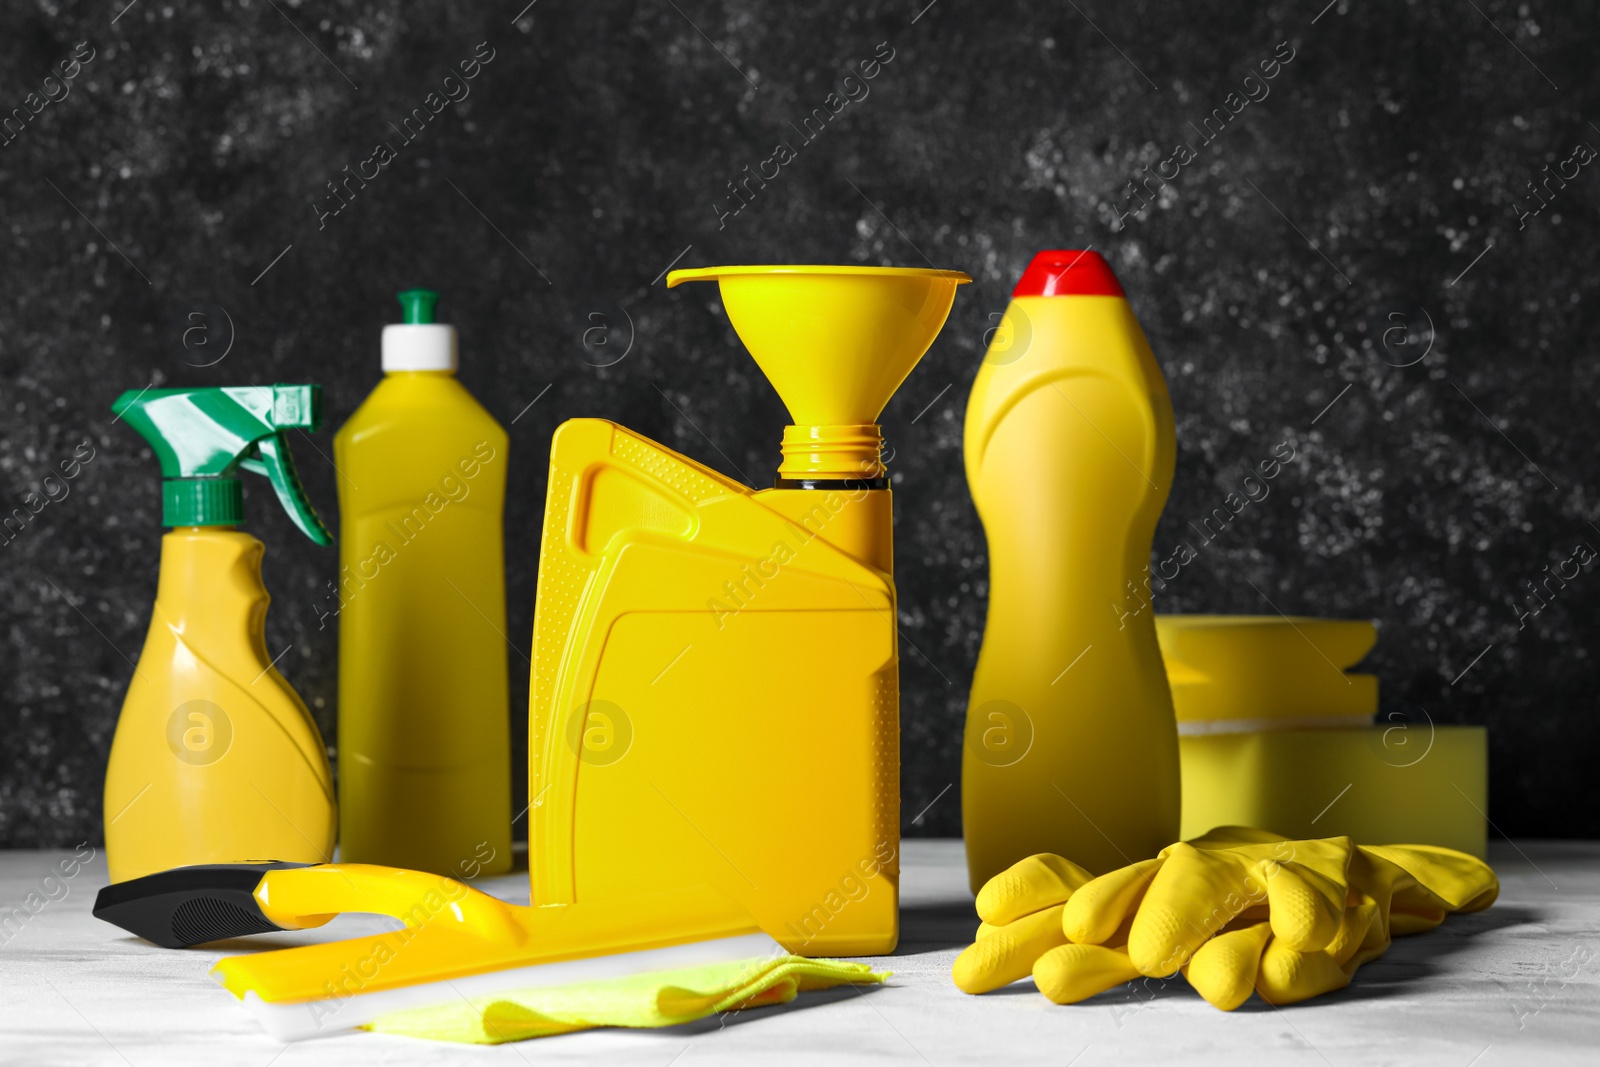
x: 1071, y: 745
x: 424, y: 722
x: 215, y: 758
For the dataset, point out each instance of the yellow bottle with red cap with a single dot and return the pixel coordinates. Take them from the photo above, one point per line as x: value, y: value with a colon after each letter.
x: 1071, y: 746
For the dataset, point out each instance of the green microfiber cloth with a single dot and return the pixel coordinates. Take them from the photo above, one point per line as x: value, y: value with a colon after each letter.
x: 663, y: 998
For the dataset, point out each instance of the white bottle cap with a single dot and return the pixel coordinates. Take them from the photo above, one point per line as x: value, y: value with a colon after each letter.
x: 419, y: 346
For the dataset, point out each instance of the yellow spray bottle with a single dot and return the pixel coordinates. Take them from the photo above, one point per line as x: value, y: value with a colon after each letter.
x: 215, y: 758
x: 1071, y: 746
x: 424, y: 714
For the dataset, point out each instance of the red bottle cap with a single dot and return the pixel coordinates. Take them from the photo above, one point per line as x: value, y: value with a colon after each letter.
x: 1068, y: 272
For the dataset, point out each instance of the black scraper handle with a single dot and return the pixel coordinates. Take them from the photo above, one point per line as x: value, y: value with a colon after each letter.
x: 190, y: 905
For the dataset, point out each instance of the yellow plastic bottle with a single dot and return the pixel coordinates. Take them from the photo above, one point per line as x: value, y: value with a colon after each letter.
x: 1071, y: 745
x: 715, y: 686
x: 215, y: 758
x: 424, y: 728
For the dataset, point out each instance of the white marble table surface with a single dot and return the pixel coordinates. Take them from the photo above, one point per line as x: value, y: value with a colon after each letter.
x: 1519, y: 983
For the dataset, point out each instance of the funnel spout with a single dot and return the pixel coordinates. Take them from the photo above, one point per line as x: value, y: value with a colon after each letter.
x: 835, y: 342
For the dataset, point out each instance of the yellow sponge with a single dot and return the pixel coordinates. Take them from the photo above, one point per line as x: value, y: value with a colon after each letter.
x: 1273, y: 732
x: 1231, y: 672
x: 1432, y: 790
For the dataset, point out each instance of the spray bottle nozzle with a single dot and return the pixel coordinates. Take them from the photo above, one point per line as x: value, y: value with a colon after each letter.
x: 204, y: 437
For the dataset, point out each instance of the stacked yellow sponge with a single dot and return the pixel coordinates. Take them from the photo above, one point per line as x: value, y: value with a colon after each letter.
x: 1275, y: 733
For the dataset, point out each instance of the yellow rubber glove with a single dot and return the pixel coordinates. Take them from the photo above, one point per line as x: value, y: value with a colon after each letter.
x: 1021, y: 912
x: 1235, y: 910
x: 1114, y: 939
x: 1194, y: 889
x: 1394, y: 891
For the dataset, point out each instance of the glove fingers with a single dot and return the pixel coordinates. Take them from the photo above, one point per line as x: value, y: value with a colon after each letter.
x: 1306, y: 906
x: 1287, y: 976
x: 1192, y: 897
x: 1097, y: 909
x: 1459, y: 881
x: 1329, y: 857
x: 1359, y: 931
x: 1072, y: 973
x: 1227, y: 966
x: 1027, y: 886
x: 1224, y: 969
x: 1008, y: 952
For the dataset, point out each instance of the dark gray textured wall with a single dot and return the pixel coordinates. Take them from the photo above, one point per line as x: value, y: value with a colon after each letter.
x: 181, y: 183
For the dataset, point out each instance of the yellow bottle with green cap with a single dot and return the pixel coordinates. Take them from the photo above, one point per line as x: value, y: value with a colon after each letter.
x: 424, y: 721
x: 215, y: 758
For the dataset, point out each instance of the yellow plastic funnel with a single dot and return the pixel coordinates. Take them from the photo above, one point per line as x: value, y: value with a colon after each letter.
x: 835, y: 342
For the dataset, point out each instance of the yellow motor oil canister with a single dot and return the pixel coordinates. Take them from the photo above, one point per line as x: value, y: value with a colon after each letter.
x: 424, y: 719
x: 1070, y: 745
x: 714, y: 696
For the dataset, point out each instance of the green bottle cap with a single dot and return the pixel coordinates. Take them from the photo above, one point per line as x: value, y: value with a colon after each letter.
x: 203, y: 438
x: 202, y: 502
x: 417, y: 306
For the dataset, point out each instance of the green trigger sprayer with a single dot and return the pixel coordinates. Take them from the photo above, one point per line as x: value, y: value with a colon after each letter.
x: 216, y: 759
x: 202, y: 437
